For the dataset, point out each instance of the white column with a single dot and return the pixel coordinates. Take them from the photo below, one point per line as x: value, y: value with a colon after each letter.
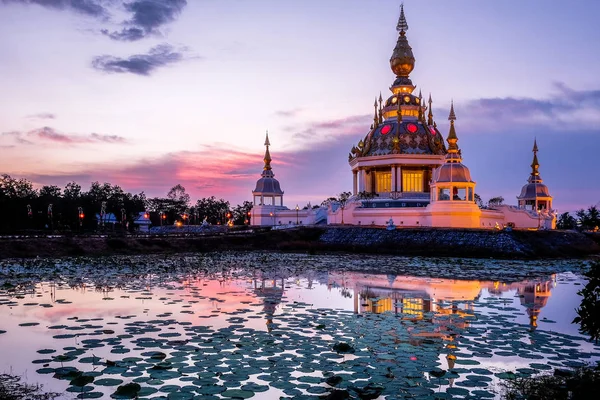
x: 354, y: 182
x: 399, y: 178
x: 361, y: 180
x: 393, y: 186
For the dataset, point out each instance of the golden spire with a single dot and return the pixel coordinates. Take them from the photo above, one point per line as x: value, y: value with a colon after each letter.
x: 380, y: 108
x: 375, y: 117
x: 267, y: 158
x: 535, y: 165
x: 421, y: 116
x: 430, y: 114
x: 402, y: 25
x: 452, y: 138
x: 402, y: 61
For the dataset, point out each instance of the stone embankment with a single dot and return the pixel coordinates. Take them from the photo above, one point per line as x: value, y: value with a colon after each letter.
x: 464, y: 242
x: 414, y: 242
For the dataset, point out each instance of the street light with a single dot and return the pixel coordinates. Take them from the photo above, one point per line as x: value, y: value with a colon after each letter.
x: 249, y: 218
x: 297, y: 214
x: 272, y: 215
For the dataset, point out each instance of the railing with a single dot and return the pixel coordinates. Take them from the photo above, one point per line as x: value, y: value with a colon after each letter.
x: 403, y: 195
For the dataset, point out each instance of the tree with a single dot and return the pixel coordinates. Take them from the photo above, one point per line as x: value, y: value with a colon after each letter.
x: 241, y: 213
x: 367, y: 197
x: 478, y: 201
x: 588, y: 313
x: 211, y: 209
x: 566, y: 221
x: 496, y: 201
x: 72, y: 191
x: 341, y: 200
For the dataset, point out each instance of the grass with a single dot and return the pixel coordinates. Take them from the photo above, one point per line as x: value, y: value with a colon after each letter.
x: 11, y: 388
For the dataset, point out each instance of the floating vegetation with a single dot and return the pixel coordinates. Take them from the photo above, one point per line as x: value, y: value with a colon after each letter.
x: 235, y: 326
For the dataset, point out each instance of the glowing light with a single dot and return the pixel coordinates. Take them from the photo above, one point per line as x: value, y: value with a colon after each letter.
x: 412, y: 128
x: 386, y: 129
x: 432, y: 130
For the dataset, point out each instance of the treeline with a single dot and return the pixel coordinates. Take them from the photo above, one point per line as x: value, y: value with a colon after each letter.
x: 584, y: 219
x: 104, y: 206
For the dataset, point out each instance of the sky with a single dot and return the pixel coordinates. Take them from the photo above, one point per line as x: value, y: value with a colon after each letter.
x: 147, y: 94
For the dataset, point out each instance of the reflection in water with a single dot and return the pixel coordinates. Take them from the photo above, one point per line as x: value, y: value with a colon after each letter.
x: 418, y: 295
x: 229, y: 327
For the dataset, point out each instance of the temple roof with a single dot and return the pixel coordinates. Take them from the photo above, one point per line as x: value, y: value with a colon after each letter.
x: 534, y: 188
x: 267, y: 184
x: 401, y: 124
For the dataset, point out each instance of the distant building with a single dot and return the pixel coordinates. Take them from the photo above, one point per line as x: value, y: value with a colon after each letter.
x: 405, y: 176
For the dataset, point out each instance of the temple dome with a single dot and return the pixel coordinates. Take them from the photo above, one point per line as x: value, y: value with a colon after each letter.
x: 413, y: 137
x: 534, y: 189
x: 267, y: 185
x: 452, y: 172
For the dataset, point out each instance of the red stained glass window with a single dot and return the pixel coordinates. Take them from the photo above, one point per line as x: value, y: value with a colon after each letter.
x: 386, y: 129
x: 432, y: 129
x: 412, y: 128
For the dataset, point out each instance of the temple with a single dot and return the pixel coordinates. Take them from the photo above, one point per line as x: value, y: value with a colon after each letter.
x: 405, y: 174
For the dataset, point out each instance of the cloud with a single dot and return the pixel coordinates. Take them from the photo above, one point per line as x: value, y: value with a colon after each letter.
x: 559, y: 111
x: 50, y: 135
x: 288, y: 113
x: 146, y: 17
x: 139, y: 64
x: 41, y: 116
x: 93, y: 8
x: 354, y: 125
x: 218, y: 169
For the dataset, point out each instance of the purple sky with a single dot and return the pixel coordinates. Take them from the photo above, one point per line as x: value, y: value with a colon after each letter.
x: 147, y: 94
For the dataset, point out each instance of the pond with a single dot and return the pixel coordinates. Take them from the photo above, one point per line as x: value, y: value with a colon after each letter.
x: 243, y: 325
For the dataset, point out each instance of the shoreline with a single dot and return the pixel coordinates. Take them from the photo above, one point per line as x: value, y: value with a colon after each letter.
x: 438, y: 242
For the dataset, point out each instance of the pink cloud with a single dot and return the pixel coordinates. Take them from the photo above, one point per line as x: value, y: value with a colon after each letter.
x: 47, y: 134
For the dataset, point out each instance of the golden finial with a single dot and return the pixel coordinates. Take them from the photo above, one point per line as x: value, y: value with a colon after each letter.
x: 430, y: 114
x: 267, y: 158
x: 402, y: 26
x: 452, y: 138
x: 421, y: 116
x: 376, y: 116
x: 535, y: 165
x: 380, y: 108
x: 402, y: 61
x: 452, y: 116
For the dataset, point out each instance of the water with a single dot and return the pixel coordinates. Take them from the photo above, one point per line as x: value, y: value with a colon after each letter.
x: 282, y: 325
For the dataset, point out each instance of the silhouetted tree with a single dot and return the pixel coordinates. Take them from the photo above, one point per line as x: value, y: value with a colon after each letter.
x: 588, y: 313
x: 566, y: 221
x: 212, y: 209
x: 496, y: 201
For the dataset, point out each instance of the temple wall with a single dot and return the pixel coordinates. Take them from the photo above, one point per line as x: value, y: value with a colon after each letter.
x: 276, y: 216
x: 527, y: 219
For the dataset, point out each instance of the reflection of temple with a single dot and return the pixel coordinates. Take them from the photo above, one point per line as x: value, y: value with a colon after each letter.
x: 419, y: 295
x: 271, y: 294
x: 534, y: 296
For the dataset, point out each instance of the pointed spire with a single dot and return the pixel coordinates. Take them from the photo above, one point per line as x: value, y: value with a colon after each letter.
x: 535, y: 165
x: 430, y: 114
x: 452, y: 139
x: 421, y: 116
x: 402, y: 26
x: 376, y: 116
x: 452, y: 116
x: 267, y: 158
